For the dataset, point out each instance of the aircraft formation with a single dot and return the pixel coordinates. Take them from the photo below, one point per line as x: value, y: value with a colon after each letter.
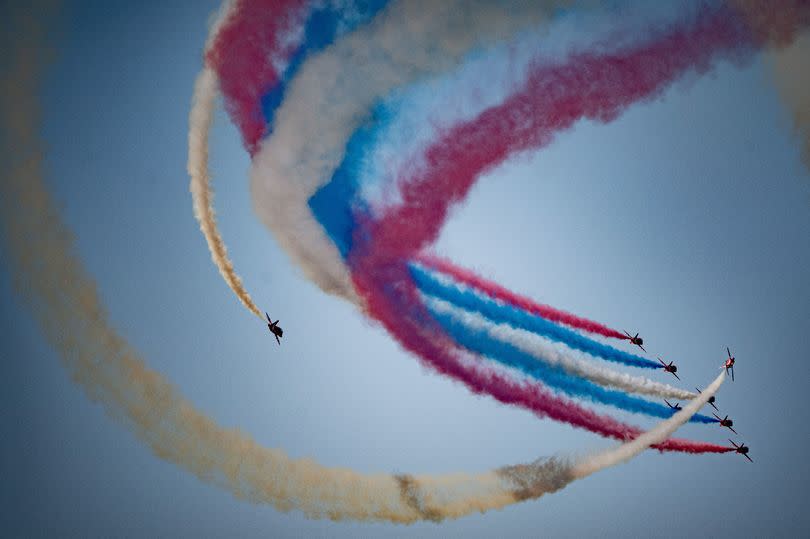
x: 671, y: 368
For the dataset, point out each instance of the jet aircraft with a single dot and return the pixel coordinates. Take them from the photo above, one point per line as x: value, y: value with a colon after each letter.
x: 725, y: 422
x: 711, y: 400
x: 742, y: 449
x: 638, y: 341
x: 676, y: 407
x: 274, y: 328
x: 729, y: 364
x: 670, y: 368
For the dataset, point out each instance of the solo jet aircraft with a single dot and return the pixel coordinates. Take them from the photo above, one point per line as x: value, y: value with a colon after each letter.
x: 274, y: 328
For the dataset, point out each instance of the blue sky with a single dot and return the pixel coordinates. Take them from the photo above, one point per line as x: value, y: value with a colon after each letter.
x: 687, y: 219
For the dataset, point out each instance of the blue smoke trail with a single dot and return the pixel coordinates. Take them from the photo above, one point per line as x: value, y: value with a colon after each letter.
x: 323, y: 26
x: 506, y: 314
x: 480, y: 342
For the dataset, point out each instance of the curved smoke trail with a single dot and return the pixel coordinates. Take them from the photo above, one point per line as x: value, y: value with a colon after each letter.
x: 205, y: 93
x: 200, y: 118
x: 325, y: 113
x: 52, y: 279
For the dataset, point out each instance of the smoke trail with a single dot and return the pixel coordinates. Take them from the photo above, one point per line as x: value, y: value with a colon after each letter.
x: 791, y: 67
x: 572, y: 361
x: 392, y: 300
x: 332, y: 95
x: 478, y: 341
x: 469, y: 300
x: 258, y: 29
x: 661, y: 431
x: 200, y: 118
x: 496, y: 291
x: 551, y: 98
x: 51, y: 278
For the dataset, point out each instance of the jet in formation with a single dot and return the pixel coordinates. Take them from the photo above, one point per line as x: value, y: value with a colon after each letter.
x: 729, y: 364
x: 725, y: 422
x: 638, y: 341
x: 711, y: 400
x: 742, y: 449
x: 670, y: 368
x: 676, y: 407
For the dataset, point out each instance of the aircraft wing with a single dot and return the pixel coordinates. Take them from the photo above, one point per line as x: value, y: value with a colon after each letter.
x: 277, y: 340
x: 746, y: 456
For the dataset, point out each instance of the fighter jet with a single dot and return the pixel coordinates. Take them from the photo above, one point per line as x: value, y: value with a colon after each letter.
x: 670, y: 368
x: 638, y: 341
x: 676, y: 407
x: 274, y: 328
x: 742, y: 449
x: 725, y: 422
x: 729, y: 364
x: 711, y: 400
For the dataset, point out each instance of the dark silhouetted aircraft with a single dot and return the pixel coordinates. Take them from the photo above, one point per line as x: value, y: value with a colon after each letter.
x: 710, y: 401
x: 669, y: 368
x: 729, y: 364
x: 274, y: 328
x: 676, y: 407
x: 638, y: 341
x: 742, y: 449
x: 726, y: 422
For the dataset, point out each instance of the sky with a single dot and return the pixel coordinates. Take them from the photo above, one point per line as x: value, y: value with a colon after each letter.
x: 687, y: 219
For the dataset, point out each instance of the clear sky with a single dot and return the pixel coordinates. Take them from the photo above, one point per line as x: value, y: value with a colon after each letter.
x: 687, y: 219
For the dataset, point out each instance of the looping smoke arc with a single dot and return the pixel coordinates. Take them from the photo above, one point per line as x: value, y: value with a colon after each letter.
x: 65, y: 301
x: 322, y: 91
x: 367, y: 123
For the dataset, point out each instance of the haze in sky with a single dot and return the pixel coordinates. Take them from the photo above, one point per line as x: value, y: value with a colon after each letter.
x: 686, y: 219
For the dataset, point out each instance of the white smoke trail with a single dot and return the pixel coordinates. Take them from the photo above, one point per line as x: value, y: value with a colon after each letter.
x: 39, y: 252
x: 333, y: 92
x: 200, y: 118
x: 573, y: 361
x: 660, y: 432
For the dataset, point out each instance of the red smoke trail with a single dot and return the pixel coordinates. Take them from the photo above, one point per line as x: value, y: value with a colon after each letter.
x: 591, y: 86
x: 496, y: 291
x: 553, y: 98
x: 391, y: 297
x: 242, y: 57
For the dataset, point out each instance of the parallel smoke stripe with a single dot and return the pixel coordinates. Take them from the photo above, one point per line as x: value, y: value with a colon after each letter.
x: 570, y: 360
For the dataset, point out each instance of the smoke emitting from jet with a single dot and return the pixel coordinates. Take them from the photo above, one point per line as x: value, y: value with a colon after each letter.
x: 358, y: 224
x: 317, y: 95
x: 64, y: 298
